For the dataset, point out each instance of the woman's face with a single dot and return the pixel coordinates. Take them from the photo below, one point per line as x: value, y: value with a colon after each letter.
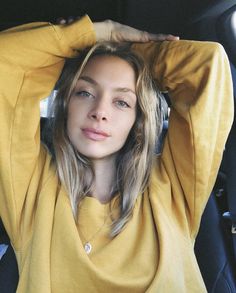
x: 102, y: 108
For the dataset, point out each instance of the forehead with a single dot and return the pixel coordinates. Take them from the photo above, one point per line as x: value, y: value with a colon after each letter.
x: 108, y: 59
x: 112, y: 68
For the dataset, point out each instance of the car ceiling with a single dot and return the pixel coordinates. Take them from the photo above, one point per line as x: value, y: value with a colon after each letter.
x: 168, y: 16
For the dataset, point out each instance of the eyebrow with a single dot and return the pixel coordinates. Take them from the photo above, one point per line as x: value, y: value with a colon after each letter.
x: 120, y: 89
x: 88, y: 79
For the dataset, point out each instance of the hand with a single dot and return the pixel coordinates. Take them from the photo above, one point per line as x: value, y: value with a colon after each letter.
x: 109, y: 30
x: 68, y: 20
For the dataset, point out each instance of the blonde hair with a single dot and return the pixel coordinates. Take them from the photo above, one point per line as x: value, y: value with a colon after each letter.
x: 134, y: 160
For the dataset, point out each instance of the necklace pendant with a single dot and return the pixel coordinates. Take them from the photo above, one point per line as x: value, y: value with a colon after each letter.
x: 87, y: 247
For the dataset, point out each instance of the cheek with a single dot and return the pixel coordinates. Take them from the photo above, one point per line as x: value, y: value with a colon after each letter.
x: 126, y: 127
x: 132, y: 119
x: 75, y: 111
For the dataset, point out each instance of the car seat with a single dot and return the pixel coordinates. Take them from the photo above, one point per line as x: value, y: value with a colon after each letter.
x: 8, y: 265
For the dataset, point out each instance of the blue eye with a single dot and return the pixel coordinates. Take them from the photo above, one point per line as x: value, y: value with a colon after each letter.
x: 122, y: 104
x: 83, y: 94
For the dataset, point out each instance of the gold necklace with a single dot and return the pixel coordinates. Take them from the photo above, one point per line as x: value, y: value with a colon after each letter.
x: 87, y: 242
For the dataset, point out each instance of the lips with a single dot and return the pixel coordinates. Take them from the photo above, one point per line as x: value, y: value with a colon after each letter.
x: 95, y: 134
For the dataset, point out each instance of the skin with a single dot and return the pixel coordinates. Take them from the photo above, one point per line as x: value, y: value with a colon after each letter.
x: 109, y: 30
x: 101, y: 113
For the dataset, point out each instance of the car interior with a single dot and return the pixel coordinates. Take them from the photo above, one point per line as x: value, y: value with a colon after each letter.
x: 210, y: 20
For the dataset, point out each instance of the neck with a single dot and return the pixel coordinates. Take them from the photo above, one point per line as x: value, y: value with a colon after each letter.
x: 104, y: 179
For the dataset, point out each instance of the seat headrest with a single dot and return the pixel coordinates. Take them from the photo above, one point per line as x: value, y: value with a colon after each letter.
x: 226, y: 31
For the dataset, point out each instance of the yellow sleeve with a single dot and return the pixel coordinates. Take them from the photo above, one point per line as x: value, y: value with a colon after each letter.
x: 31, y: 59
x: 38, y: 45
x: 198, y: 79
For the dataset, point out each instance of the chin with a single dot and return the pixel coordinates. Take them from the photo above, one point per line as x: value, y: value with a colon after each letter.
x: 91, y: 154
x: 95, y: 156
x: 96, y: 152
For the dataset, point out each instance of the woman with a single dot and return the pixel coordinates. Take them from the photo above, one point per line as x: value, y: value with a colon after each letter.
x: 104, y: 215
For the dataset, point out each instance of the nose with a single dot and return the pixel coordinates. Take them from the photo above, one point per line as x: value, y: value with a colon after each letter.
x: 99, y: 110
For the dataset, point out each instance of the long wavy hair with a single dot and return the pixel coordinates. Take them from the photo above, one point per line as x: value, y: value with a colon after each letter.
x: 134, y: 161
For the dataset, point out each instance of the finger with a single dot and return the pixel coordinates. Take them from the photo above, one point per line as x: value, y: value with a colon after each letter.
x: 70, y: 19
x: 163, y: 37
x: 145, y: 36
x: 60, y: 20
x: 126, y: 33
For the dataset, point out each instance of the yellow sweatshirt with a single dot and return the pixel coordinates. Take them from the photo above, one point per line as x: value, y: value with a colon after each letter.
x: 154, y: 253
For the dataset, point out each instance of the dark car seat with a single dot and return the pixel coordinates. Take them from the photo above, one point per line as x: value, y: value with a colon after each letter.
x: 8, y: 265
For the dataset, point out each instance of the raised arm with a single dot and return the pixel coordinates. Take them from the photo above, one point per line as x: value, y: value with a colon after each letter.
x: 198, y: 80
